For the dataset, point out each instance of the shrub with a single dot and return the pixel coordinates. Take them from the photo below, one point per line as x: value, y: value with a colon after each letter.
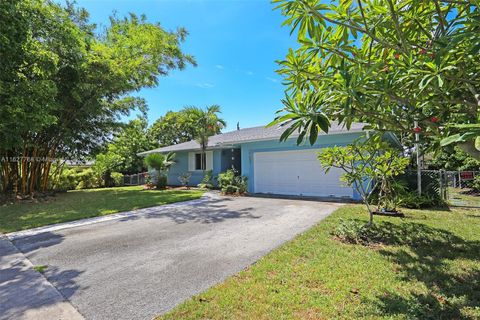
x: 476, y: 184
x: 88, y: 179
x: 230, y: 182
x: 117, y: 179
x: 413, y: 200
x: 184, y: 178
x: 207, y: 181
x: 161, y: 182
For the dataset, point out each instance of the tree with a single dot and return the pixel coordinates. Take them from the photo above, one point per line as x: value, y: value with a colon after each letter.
x: 387, y: 63
x: 208, y: 124
x: 128, y: 141
x: 173, y: 128
x: 452, y: 159
x: 63, y: 87
x: 369, y: 166
x: 105, y: 165
x: 177, y: 127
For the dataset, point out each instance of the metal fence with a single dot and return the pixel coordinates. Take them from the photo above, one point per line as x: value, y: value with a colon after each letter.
x: 452, y: 186
x: 135, y: 179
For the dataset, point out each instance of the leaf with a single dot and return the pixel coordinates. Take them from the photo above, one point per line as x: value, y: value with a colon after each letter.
x: 451, y: 139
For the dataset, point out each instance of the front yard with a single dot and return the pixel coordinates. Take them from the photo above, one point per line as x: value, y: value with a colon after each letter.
x: 80, y: 204
x: 428, y: 267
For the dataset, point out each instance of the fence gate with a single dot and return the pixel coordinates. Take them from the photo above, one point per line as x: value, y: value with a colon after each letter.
x: 135, y: 179
x: 458, y: 187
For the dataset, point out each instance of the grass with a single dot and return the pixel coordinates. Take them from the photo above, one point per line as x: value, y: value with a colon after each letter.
x: 427, y: 267
x: 461, y: 197
x: 80, y: 204
x: 42, y: 268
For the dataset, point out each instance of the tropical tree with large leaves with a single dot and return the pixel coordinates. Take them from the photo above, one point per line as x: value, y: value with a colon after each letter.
x: 208, y: 124
x: 387, y: 63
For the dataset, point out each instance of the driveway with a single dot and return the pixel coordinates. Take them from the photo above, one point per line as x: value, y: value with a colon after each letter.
x: 140, y: 266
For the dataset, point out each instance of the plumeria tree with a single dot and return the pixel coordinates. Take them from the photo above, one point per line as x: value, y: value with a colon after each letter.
x: 387, y: 63
x: 369, y: 166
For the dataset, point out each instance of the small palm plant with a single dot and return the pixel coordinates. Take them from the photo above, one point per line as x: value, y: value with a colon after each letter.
x: 161, y: 163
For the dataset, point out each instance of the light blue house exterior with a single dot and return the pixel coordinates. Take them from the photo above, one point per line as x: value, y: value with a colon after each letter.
x: 272, y: 167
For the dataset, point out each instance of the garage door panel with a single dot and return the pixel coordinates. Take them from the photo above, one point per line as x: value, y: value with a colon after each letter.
x: 296, y: 173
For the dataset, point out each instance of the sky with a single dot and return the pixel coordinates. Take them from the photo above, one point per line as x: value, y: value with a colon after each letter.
x: 235, y: 43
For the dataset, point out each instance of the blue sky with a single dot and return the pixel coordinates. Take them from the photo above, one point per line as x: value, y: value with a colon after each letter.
x: 235, y: 43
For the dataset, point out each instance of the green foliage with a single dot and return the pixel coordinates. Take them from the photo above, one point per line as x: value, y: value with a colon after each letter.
x: 117, y: 179
x: 88, y: 179
x: 385, y: 63
x: 208, y: 124
x: 128, y: 141
x: 160, y: 162
x: 207, y: 180
x: 64, y: 85
x: 105, y: 164
x: 161, y: 182
x: 231, y: 183
x: 413, y: 200
x: 184, y: 178
x: 181, y: 126
x: 356, y: 232
x: 453, y: 159
x: 368, y: 165
x: 476, y: 184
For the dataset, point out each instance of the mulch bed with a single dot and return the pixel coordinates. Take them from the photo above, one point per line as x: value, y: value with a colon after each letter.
x: 389, y: 213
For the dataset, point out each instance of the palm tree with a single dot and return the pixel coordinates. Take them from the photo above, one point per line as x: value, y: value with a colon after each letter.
x: 209, y: 124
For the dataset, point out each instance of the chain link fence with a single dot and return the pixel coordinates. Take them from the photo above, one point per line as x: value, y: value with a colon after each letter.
x: 135, y: 179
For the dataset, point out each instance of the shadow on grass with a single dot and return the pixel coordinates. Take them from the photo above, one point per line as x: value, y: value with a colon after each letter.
x: 447, y: 265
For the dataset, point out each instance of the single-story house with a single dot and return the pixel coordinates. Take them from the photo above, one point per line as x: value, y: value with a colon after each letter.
x: 271, y: 166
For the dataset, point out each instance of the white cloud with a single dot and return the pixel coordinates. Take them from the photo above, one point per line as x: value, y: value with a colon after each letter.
x: 205, y: 85
x: 271, y: 79
x: 219, y: 66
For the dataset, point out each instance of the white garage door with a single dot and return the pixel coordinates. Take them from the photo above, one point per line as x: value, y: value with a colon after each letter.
x: 296, y: 172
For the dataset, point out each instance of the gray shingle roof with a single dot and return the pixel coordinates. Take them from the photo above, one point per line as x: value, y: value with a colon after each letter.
x: 248, y: 135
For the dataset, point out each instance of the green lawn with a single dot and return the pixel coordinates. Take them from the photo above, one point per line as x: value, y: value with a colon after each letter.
x: 461, y: 197
x: 80, y: 204
x: 427, y: 268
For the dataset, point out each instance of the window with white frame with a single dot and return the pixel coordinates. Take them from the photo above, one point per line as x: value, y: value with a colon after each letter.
x: 198, y: 161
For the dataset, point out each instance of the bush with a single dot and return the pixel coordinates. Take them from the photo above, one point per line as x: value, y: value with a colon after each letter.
x: 476, y: 184
x: 207, y: 181
x: 356, y: 232
x: 414, y: 201
x: 117, y: 178
x: 161, y: 182
x: 184, y: 178
x: 230, y: 183
x: 88, y: 179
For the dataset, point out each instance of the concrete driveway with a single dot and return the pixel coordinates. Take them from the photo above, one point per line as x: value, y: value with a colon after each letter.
x: 140, y: 266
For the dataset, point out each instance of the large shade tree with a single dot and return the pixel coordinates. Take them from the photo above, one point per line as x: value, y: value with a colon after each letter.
x: 387, y: 63
x: 64, y: 84
x: 179, y: 126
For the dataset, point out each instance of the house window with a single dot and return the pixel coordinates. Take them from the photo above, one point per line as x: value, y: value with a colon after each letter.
x: 200, y: 161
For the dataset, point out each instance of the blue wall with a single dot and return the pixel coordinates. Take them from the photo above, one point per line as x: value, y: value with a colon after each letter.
x: 181, y: 166
x: 248, y: 149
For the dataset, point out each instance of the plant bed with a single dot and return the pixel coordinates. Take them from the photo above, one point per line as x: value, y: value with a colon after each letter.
x: 389, y: 213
